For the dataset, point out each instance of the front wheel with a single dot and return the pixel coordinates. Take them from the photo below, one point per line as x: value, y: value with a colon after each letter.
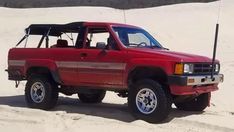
x: 198, y: 103
x: 41, y: 92
x: 148, y: 101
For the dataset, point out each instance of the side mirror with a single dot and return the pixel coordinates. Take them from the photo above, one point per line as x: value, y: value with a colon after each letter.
x: 101, y: 45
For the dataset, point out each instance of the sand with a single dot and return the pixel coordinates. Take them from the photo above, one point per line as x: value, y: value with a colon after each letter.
x: 182, y: 27
x: 118, y: 4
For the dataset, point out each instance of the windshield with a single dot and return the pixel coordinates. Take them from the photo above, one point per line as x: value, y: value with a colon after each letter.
x: 134, y: 37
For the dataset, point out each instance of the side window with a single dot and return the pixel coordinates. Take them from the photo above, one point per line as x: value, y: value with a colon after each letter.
x: 100, y: 35
x: 66, y: 40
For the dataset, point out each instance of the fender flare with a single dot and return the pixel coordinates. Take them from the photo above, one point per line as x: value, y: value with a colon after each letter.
x: 48, y: 64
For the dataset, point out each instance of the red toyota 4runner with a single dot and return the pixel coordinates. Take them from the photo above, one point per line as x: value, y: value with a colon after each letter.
x: 114, y: 57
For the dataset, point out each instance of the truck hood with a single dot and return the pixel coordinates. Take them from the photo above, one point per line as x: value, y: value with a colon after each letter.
x: 170, y: 55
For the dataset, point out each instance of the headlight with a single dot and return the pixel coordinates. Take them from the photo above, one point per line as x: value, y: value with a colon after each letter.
x: 181, y: 68
x: 188, y: 68
x: 217, y: 67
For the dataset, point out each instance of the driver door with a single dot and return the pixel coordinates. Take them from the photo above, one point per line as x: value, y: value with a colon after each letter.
x: 101, y: 67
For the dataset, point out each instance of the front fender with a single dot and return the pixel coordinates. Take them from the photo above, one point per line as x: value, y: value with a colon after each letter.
x: 165, y: 65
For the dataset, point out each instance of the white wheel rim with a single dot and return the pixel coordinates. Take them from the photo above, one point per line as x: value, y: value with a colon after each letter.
x: 37, y: 92
x: 146, y: 101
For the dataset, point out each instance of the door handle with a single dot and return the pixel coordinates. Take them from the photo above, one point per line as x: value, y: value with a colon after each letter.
x: 83, y: 54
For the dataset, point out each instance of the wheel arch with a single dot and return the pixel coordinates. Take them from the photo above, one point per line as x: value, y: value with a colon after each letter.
x: 148, y: 72
x: 42, y: 70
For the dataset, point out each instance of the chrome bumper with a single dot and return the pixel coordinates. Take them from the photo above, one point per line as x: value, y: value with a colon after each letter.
x: 195, y: 80
x: 204, y: 80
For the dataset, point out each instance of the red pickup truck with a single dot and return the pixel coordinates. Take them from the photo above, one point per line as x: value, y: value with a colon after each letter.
x: 115, y: 57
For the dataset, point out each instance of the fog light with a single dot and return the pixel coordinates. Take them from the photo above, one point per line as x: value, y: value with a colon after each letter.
x: 191, y: 80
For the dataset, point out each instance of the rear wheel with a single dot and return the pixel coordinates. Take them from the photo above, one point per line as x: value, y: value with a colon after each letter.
x: 93, y: 97
x: 41, y: 92
x: 148, y: 101
x: 198, y: 103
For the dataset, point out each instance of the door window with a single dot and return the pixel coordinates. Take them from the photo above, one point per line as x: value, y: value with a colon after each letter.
x: 100, y: 35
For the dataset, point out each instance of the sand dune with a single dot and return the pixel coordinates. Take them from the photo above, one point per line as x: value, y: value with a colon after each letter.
x: 118, y: 4
x: 182, y: 27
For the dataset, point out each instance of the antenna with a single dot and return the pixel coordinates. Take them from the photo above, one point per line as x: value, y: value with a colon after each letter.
x: 124, y: 14
x: 215, y: 41
x: 27, y: 37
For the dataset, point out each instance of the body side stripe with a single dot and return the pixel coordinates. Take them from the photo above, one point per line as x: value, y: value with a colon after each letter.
x: 91, y: 65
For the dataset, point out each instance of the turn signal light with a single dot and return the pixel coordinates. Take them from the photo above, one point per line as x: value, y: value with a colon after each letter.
x: 179, y: 68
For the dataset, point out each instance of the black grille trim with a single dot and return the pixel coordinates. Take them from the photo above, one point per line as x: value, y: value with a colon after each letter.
x: 203, y: 69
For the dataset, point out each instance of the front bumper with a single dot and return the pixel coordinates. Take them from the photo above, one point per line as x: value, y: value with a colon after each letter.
x: 195, y: 80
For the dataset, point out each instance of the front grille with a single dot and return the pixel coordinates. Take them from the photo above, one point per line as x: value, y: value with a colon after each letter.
x: 203, y: 68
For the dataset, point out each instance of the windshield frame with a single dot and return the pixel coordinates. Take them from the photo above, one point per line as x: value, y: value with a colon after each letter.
x: 147, y: 34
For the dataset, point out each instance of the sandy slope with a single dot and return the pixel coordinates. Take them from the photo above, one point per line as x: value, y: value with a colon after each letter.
x: 118, y: 4
x: 184, y: 27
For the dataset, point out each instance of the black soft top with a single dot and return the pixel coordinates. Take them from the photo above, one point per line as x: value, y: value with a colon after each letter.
x: 53, y: 29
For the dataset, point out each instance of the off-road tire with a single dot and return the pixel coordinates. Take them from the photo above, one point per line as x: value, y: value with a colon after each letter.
x: 50, y: 89
x: 197, y: 104
x: 163, y: 106
x: 93, y: 97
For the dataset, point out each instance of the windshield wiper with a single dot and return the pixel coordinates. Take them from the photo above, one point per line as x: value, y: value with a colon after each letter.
x: 165, y: 48
x: 155, y: 46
